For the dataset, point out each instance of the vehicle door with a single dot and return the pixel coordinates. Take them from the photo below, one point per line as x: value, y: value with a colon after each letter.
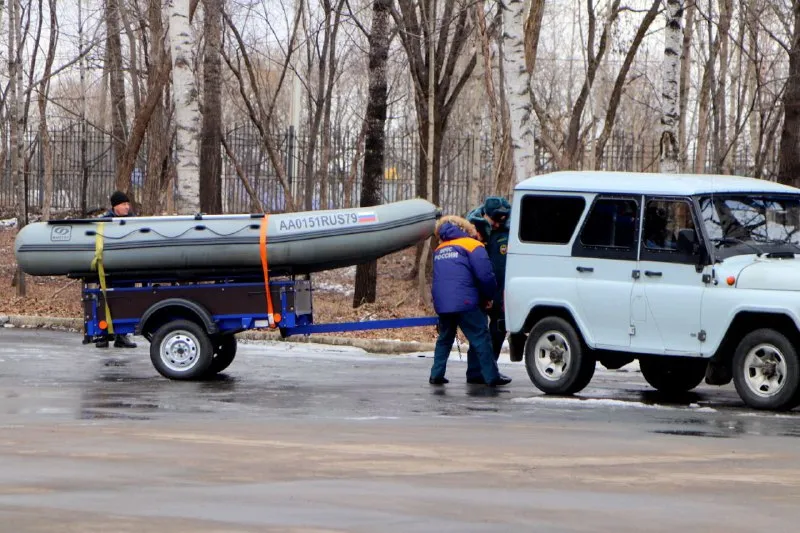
x: 604, y: 255
x: 668, y: 291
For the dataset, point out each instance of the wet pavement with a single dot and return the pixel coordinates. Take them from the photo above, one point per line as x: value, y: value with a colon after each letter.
x: 310, y: 438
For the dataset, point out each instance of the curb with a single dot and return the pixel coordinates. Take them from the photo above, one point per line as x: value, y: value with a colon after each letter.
x: 379, y: 346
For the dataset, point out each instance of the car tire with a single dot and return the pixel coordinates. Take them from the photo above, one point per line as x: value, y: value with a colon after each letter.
x: 766, y: 371
x: 673, y: 375
x: 181, y: 350
x: 556, y: 358
x: 224, y: 354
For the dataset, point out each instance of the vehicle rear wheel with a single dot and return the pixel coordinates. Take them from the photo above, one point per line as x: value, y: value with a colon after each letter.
x: 766, y: 371
x: 556, y: 359
x: 673, y: 375
x: 224, y: 353
x: 181, y: 350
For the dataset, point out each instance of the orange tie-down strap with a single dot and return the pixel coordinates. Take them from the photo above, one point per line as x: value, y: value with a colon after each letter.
x: 265, y: 266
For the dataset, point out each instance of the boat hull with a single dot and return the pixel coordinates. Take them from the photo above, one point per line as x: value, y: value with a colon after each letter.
x: 297, y: 243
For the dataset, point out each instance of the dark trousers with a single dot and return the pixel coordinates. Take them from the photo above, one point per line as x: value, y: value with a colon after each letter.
x: 497, y: 329
x: 480, y: 360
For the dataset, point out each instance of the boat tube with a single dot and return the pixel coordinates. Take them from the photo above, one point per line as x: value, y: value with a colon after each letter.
x: 295, y: 243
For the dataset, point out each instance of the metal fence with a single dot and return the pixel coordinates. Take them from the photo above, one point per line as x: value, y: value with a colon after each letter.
x: 84, y: 165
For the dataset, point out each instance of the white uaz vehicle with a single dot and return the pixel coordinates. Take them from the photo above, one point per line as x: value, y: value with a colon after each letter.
x: 696, y: 276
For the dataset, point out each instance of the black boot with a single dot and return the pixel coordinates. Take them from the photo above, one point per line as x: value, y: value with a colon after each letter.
x: 122, y: 341
x: 102, y: 343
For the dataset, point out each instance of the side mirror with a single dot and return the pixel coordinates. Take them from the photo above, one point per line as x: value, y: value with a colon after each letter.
x: 687, y: 242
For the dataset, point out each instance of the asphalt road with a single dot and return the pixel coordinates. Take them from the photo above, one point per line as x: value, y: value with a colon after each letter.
x: 304, y: 438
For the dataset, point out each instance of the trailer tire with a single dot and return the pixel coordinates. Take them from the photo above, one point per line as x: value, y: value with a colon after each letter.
x: 181, y: 350
x: 224, y: 353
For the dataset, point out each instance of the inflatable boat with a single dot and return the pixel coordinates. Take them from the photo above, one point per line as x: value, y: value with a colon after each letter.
x: 295, y: 243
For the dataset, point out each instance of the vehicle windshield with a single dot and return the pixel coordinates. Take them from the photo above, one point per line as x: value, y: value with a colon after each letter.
x: 746, y: 224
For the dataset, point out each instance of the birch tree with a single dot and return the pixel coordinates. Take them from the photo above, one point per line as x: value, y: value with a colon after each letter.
x: 520, y: 63
x: 375, y: 137
x: 17, y: 123
x: 187, y: 108
x: 673, y: 37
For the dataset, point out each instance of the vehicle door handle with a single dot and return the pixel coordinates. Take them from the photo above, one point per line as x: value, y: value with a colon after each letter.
x: 585, y: 269
x: 651, y: 274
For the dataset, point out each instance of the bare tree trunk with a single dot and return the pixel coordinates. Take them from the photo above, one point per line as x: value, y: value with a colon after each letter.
x: 44, y: 135
x: 789, y: 168
x: 622, y: 76
x: 573, y: 151
x: 210, y: 144
x: 119, y: 116
x: 424, y: 293
x: 519, y: 65
x: 721, y: 133
x: 374, y: 142
x: 158, y: 138
x: 187, y: 109
x: 83, y: 140
x: 670, y: 115
x: 326, y: 114
x: 686, y: 65
x: 16, y: 120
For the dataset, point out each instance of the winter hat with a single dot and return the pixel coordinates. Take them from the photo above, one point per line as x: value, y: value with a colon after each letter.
x: 497, y: 208
x: 118, y: 197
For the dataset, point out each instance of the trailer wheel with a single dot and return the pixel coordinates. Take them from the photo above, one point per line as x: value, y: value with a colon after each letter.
x: 181, y: 350
x: 224, y: 354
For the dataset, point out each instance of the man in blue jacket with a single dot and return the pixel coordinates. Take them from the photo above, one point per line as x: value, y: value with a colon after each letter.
x: 463, y: 284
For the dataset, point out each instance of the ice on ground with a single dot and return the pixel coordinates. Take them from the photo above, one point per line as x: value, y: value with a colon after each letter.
x: 589, y: 402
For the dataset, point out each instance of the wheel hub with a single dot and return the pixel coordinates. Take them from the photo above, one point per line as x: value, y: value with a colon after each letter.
x: 552, y: 355
x: 179, y: 351
x: 765, y: 370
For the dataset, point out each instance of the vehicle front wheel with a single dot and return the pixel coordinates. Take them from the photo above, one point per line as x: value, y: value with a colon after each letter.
x: 766, y: 371
x: 181, y: 350
x: 556, y: 359
x: 673, y: 375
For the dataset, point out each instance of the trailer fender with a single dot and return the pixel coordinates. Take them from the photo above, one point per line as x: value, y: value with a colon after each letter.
x: 177, y: 308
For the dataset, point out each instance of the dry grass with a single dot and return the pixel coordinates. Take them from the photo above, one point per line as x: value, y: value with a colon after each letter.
x: 397, y: 295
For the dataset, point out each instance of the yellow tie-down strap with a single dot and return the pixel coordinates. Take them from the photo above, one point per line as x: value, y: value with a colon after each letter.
x: 97, y: 265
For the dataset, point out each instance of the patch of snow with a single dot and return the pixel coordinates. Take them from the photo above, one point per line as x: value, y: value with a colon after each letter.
x: 333, y: 287
x: 589, y: 402
x: 8, y: 223
x: 697, y: 408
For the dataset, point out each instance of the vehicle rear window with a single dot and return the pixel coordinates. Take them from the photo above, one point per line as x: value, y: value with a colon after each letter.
x: 549, y: 219
x: 611, y: 224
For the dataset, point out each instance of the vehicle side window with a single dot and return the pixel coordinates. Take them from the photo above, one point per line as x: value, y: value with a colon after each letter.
x: 549, y: 219
x: 610, y: 230
x: 666, y: 223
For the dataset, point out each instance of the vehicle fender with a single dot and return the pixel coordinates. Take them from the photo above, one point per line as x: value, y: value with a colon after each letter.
x: 193, y: 307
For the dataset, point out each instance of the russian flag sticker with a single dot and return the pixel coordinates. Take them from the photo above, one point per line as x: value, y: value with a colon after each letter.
x: 364, y: 218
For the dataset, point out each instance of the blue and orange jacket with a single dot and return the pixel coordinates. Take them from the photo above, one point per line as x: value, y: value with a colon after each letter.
x: 462, y: 273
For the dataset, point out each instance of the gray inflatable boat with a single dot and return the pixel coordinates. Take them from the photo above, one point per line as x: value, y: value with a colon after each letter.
x: 296, y: 243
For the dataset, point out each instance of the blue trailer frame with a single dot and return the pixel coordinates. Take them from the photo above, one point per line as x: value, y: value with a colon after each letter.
x: 141, y: 306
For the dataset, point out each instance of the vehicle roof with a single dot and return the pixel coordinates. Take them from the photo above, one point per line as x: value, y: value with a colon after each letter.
x: 649, y: 183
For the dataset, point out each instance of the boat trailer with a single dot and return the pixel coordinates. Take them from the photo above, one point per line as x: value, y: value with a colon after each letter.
x: 191, y: 320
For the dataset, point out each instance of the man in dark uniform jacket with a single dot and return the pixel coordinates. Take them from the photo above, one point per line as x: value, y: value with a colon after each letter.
x: 497, y: 210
